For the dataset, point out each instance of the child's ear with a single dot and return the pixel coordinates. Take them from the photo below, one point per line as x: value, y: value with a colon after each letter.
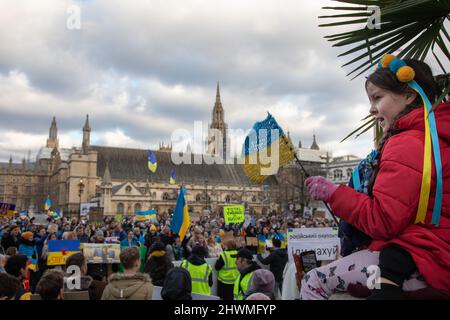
x: 410, y: 96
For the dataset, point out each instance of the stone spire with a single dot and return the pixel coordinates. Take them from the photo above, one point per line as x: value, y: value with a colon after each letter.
x: 52, y: 141
x: 314, y: 145
x: 86, y: 136
x: 217, y: 125
x: 299, y: 144
x: 106, y: 175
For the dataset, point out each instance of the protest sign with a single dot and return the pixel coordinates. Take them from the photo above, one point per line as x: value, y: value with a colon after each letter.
x: 101, y: 253
x: 240, y: 242
x: 227, y: 237
x: 60, y: 250
x: 233, y: 214
x: 118, y: 217
x: 252, y: 241
x: 324, y: 241
x: 112, y: 240
x: 7, y: 209
x: 85, y: 207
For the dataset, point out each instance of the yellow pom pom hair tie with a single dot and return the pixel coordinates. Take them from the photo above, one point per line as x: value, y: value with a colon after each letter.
x: 406, y: 74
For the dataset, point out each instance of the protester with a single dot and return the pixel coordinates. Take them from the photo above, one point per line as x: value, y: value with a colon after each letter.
x: 405, y: 251
x: 246, y: 266
x: 158, y: 264
x: 129, y: 285
x: 227, y: 271
x: 51, y: 285
x: 214, y: 248
x: 81, y: 235
x: 87, y: 283
x: 177, y: 285
x: 9, y: 286
x: 11, y: 237
x: 129, y: 241
x: 177, y: 251
x: 258, y: 296
x: 200, y: 270
x: 263, y: 282
x: 2, y: 263
x: 17, y: 266
x: 276, y: 260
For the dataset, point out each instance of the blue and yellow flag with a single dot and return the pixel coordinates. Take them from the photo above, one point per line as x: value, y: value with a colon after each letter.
x: 23, y: 215
x: 180, y: 218
x: 48, y: 203
x: 56, y: 214
x: 172, y: 177
x: 266, y: 149
x: 152, y: 164
x: 60, y: 250
x: 145, y: 215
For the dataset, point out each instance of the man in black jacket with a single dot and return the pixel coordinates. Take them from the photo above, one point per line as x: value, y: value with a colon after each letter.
x: 277, y: 260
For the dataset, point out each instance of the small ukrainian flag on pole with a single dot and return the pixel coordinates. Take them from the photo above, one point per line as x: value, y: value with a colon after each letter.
x: 172, y: 177
x: 152, y: 164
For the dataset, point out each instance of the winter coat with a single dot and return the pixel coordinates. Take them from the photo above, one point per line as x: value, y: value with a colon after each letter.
x: 26, y: 247
x: 389, y: 216
x: 9, y: 241
x: 277, y: 260
x: 157, y: 268
x: 128, y: 287
x: 177, y: 285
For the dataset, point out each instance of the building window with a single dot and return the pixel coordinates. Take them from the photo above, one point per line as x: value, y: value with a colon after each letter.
x: 165, y: 196
x: 137, y: 207
x: 228, y: 199
x: 128, y: 189
x: 349, y: 172
x: 337, y: 174
x: 120, y: 208
x: 198, y: 198
x: 15, y: 190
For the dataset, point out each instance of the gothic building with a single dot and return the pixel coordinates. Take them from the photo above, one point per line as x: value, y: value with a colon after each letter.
x: 118, y: 180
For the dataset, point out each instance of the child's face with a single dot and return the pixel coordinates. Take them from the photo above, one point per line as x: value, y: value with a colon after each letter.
x: 386, y: 105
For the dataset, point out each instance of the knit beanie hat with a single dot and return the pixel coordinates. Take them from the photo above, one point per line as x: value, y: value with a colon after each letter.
x: 28, y: 235
x: 263, y: 280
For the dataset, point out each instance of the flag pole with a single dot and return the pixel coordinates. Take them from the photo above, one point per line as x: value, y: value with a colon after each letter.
x: 307, y: 175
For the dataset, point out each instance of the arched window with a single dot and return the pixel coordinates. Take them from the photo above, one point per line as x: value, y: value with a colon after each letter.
x: 254, y: 198
x: 349, y: 172
x: 337, y: 174
x: 137, y: 207
x: 227, y: 198
x: 165, y: 196
x: 198, y: 197
x: 128, y: 189
x: 120, y: 208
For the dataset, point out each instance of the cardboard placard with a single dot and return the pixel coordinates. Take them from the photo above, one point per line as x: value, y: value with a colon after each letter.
x: 252, y: 241
x: 101, y: 253
x: 324, y: 241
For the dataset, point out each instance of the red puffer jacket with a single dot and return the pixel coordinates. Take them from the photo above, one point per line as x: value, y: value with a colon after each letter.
x: 388, y: 217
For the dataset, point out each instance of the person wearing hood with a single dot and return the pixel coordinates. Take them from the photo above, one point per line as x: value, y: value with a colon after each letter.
x: 151, y: 237
x: 200, y: 270
x: 263, y: 281
x: 158, y: 264
x: 246, y: 266
x: 276, y: 260
x: 87, y: 283
x: 129, y: 285
x: 177, y: 285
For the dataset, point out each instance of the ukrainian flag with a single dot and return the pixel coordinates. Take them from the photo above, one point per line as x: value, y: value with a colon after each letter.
x: 145, y: 215
x: 60, y: 250
x: 23, y: 215
x: 48, y: 203
x: 55, y: 214
x: 152, y: 164
x: 266, y: 140
x: 180, y: 218
x: 172, y: 177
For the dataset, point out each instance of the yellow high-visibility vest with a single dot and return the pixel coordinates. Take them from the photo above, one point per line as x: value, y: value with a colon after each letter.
x: 199, y: 276
x: 241, y: 285
x: 229, y: 271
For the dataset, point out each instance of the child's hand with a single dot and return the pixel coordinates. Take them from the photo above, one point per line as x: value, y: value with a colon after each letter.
x: 320, y: 188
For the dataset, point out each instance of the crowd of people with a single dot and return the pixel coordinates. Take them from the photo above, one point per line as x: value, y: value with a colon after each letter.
x: 24, y: 251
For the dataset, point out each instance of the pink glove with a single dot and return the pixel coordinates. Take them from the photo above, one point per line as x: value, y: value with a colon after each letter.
x: 320, y: 188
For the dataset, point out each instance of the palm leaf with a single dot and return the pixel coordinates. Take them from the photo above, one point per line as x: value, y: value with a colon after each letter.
x: 415, y: 28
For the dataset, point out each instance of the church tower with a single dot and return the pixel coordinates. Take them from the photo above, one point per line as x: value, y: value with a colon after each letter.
x: 217, y: 141
x: 52, y: 141
x: 314, y: 145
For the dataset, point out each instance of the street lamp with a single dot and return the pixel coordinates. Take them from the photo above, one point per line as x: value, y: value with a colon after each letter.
x: 80, y: 192
x: 206, y: 194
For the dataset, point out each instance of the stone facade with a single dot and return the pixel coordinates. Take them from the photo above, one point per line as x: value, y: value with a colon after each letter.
x: 118, y: 180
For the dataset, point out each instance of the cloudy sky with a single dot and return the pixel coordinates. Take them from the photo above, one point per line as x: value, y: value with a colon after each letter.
x: 144, y: 68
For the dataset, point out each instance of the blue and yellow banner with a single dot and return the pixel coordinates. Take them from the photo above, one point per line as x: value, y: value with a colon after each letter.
x: 145, y: 215
x: 60, y: 250
x: 48, y: 203
x: 173, y: 176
